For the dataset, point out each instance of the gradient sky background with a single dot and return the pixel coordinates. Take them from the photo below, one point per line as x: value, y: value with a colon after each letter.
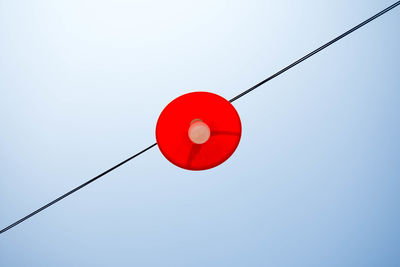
x: 315, y: 180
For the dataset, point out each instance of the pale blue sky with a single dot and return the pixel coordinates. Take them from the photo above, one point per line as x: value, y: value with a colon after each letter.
x: 314, y: 181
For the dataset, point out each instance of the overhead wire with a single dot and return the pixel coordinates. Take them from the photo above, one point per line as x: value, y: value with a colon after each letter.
x: 75, y: 189
x: 319, y: 49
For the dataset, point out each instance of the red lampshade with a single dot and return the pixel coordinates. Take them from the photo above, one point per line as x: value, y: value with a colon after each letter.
x: 214, y: 135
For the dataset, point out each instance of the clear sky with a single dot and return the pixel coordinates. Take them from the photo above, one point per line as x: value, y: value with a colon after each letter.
x: 314, y: 181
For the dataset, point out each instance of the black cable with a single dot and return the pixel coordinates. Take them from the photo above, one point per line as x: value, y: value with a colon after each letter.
x: 74, y: 190
x: 233, y: 99
x: 316, y: 51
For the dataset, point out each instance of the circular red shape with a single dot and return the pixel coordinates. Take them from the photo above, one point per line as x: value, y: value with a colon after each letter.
x: 174, y: 122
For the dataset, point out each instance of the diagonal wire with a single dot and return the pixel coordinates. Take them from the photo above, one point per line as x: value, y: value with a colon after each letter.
x: 232, y: 100
x: 319, y: 49
x: 74, y: 190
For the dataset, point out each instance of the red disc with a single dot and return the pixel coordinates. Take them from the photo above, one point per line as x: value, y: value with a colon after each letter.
x: 192, y: 152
